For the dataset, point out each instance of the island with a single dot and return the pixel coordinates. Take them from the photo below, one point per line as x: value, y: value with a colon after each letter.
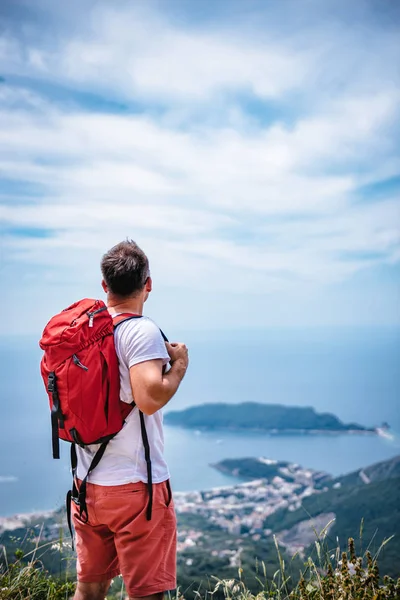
x: 269, y: 418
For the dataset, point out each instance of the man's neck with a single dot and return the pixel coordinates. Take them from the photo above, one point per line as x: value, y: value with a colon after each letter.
x: 127, y: 305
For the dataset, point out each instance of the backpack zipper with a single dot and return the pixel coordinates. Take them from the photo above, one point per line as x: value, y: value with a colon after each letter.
x: 91, y: 315
x: 78, y: 363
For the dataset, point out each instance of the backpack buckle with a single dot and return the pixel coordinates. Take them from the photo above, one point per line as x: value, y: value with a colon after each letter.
x: 51, y: 383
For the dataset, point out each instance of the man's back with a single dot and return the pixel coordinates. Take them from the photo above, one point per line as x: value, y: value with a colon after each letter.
x: 136, y: 341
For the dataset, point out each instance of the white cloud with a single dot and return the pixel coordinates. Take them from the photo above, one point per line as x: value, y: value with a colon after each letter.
x: 91, y: 216
x: 136, y: 53
x: 206, y: 182
x: 109, y: 174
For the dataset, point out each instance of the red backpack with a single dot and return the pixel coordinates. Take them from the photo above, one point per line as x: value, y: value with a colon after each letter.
x: 81, y: 375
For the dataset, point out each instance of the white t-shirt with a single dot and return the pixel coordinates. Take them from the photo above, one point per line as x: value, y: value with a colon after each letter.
x: 136, y: 341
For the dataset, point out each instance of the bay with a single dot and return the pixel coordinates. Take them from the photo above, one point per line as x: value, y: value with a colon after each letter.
x: 352, y: 373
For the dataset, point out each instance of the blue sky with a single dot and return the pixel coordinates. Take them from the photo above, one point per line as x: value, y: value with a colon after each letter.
x: 251, y: 148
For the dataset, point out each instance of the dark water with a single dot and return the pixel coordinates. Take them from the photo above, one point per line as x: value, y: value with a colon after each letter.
x: 352, y: 373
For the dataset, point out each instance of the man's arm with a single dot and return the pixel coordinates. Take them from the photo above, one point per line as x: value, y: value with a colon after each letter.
x: 151, y: 389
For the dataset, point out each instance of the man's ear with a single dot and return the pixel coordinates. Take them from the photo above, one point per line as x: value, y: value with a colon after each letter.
x: 104, y: 286
x: 149, y: 285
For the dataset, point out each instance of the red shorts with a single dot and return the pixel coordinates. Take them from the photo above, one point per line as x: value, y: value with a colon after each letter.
x: 118, y: 539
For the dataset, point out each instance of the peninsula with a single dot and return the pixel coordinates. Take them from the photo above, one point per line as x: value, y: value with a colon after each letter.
x: 268, y: 418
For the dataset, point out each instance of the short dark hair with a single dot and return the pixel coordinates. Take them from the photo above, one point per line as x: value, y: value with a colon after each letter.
x: 125, y: 268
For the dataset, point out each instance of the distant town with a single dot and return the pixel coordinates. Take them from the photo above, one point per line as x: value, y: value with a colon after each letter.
x: 242, y: 509
x: 239, y: 509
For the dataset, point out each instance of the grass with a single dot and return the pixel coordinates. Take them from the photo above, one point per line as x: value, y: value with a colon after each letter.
x: 30, y: 581
x: 25, y: 578
x: 335, y: 575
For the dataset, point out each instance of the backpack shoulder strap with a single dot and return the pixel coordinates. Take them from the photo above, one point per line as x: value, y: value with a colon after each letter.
x: 127, y: 317
x: 124, y: 317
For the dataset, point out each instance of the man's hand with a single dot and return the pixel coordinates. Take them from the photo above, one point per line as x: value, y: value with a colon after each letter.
x: 178, y: 352
x: 151, y: 388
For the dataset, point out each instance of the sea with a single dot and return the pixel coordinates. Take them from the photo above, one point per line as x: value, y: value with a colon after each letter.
x: 353, y: 373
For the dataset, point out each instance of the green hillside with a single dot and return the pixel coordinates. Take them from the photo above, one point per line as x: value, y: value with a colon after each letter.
x: 387, y: 469
x: 376, y: 504
x: 370, y: 495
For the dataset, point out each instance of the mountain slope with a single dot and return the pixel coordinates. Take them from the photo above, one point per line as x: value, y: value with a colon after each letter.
x: 376, y: 505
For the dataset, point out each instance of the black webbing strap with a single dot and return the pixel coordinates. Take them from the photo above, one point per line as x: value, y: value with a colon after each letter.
x: 57, y: 418
x: 169, y: 492
x: 77, y: 440
x: 55, y: 440
x: 74, y: 466
x: 72, y: 495
x: 83, y: 511
x: 68, y: 501
x: 79, y: 496
x: 163, y: 335
x: 148, y: 463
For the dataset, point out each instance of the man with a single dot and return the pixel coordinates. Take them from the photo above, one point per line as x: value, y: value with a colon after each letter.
x: 119, y: 537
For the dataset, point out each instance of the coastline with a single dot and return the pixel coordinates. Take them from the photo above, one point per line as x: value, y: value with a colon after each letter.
x: 18, y: 520
x: 273, y: 431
